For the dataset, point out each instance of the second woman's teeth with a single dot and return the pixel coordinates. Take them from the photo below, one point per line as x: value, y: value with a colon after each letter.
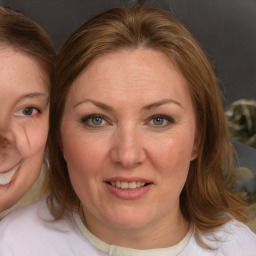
x: 128, y: 185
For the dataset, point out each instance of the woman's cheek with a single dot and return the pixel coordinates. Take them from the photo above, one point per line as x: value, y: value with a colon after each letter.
x: 37, y: 137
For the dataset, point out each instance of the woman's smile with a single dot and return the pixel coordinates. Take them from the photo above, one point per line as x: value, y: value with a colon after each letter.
x: 128, y: 188
x: 7, y: 176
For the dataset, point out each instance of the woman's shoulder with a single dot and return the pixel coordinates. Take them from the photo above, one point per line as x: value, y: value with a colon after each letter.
x: 236, y: 230
x: 31, y: 230
x: 233, y: 238
x: 237, y: 237
x: 30, y: 221
x: 23, y: 213
x: 34, y: 217
x: 27, y: 212
x: 29, y: 217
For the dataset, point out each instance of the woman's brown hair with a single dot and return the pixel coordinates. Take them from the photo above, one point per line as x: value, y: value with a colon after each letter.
x: 22, y: 33
x: 207, y: 199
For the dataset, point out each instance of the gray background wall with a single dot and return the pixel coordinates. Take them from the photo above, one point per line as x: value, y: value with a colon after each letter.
x: 225, y: 28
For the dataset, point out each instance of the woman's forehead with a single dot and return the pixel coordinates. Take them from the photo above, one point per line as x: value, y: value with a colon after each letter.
x: 130, y: 75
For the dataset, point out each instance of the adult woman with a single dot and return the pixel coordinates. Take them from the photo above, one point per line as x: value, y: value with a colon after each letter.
x: 26, y: 69
x: 136, y: 118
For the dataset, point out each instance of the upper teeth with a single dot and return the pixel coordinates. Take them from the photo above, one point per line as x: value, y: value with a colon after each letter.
x: 128, y: 185
x: 6, y: 177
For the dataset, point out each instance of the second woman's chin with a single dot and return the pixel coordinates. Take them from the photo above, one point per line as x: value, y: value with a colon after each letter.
x: 119, y: 215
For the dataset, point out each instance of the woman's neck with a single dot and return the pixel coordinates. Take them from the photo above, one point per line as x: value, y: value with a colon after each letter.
x: 159, y: 234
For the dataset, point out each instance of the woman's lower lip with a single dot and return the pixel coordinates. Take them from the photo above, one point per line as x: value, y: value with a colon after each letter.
x: 128, y: 194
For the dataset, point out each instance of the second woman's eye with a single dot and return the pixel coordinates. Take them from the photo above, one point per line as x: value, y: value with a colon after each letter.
x: 27, y: 111
x: 97, y: 120
x: 160, y: 120
x: 94, y: 120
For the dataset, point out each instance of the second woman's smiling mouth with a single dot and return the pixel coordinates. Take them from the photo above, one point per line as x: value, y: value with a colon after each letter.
x: 127, y: 185
x: 128, y: 189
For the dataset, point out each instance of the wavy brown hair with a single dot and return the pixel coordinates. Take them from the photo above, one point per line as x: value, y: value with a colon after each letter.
x: 22, y: 33
x: 207, y: 199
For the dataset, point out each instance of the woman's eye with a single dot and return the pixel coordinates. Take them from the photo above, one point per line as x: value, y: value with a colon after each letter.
x: 27, y: 111
x: 94, y: 121
x: 160, y: 120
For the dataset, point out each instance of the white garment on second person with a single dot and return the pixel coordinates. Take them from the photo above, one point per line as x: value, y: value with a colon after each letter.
x: 31, y: 231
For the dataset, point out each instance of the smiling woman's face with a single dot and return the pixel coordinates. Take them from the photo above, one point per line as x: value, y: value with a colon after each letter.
x: 24, y: 112
x: 128, y: 134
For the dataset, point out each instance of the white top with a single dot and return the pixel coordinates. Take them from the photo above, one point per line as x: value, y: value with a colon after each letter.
x: 31, y: 231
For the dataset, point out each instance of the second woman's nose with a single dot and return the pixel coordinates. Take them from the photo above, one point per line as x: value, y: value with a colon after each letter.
x: 127, y: 148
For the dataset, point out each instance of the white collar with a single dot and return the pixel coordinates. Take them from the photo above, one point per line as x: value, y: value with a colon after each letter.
x: 114, y: 250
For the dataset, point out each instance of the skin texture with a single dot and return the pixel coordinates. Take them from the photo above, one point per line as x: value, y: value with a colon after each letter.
x: 126, y: 141
x: 24, y: 104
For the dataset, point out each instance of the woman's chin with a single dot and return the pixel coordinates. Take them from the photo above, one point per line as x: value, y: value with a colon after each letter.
x: 128, y: 222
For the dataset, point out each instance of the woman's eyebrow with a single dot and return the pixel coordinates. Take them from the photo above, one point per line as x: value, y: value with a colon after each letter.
x: 109, y: 108
x: 160, y: 103
x: 38, y: 95
x: 96, y: 103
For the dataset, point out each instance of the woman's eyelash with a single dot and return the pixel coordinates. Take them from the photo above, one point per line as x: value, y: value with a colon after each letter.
x: 27, y: 111
x: 97, y: 120
x: 86, y: 118
x: 161, y: 120
x: 93, y: 120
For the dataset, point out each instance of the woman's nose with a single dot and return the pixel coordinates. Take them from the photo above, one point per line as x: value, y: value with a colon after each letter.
x: 7, y: 137
x: 7, y: 143
x: 128, y: 150
x: 4, y: 142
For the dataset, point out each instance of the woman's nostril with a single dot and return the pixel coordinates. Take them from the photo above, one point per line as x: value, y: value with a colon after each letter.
x: 4, y: 142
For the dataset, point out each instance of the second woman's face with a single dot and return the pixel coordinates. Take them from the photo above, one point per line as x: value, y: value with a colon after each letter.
x: 24, y: 112
x: 129, y: 135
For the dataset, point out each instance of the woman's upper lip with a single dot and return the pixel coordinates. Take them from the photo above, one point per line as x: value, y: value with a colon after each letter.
x: 127, y: 179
